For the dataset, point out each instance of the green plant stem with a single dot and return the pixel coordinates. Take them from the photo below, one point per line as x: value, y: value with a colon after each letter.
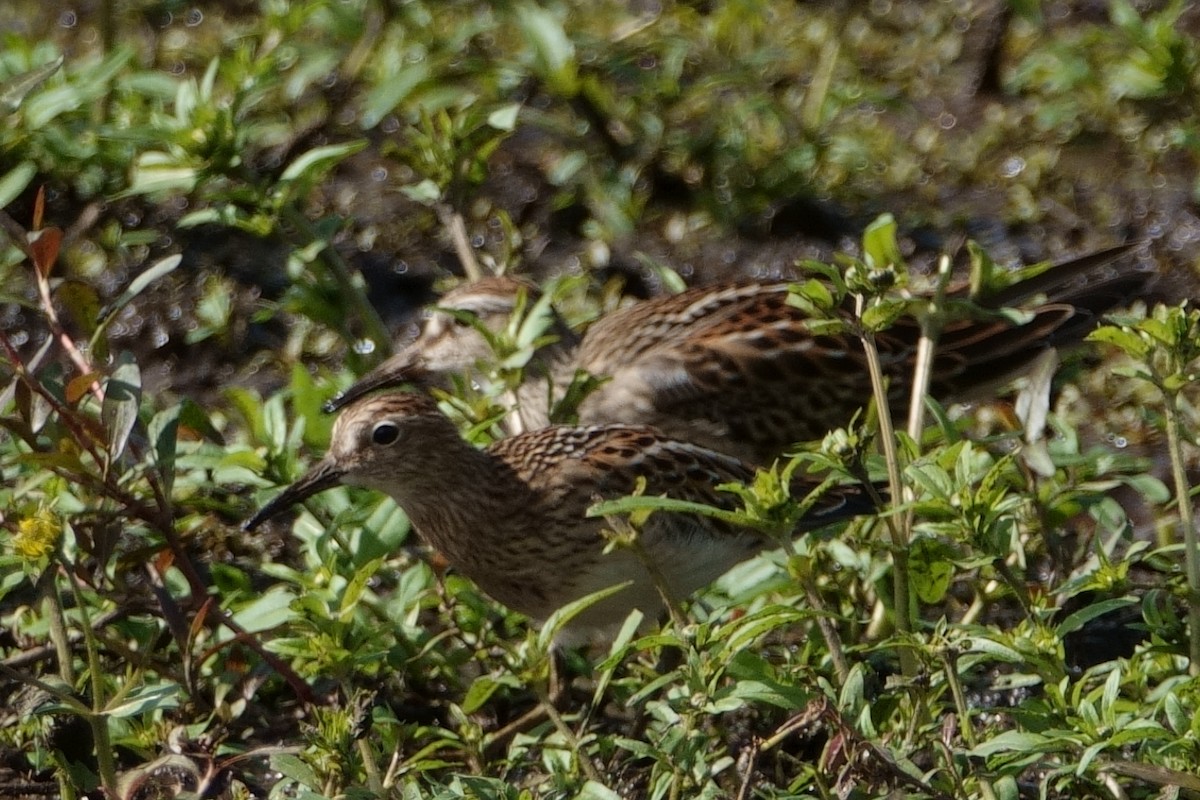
x: 901, y: 593
x: 931, y: 328
x: 97, y: 719
x: 841, y: 667
x: 950, y: 666
x: 829, y: 631
x: 818, y: 90
x: 457, y: 227
x: 374, y: 779
x: 1191, y: 546
x: 564, y: 730
x: 52, y: 607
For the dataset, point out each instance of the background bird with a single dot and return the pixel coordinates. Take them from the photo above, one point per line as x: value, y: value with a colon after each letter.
x: 735, y: 367
x: 512, y: 517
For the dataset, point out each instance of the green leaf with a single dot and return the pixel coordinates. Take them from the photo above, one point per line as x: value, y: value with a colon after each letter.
x: 14, y: 90
x: 595, y: 791
x: 86, y: 82
x: 122, y: 396
x: 1174, y: 382
x: 292, y: 767
x: 553, y: 51
x: 983, y: 271
x: 780, y: 695
x: 15, y: 181
x: 387, y: 94
x: 148, y: 276
x: 813, y: 295
x: 932, y: 478
x: 163, y: 432
x: 633, y: 505
x: 1015, y: 742
x: 195, y: 419
x: 1133, y: 345
x: 381, y: 534
x: 1112, y: 690
x: 155, y: 171
x: 1133, y: 372
x: 1089, y: 755
x: 312, y: 164
x: 505, y: 117
x: 880, y: 248
x: 1162, y: 331
x: 930, y: 568
x: 482, y: 688
x: 560, y: 618
x: 747, y: 630
x: 880, y: 316
x: 357, y: 586
x: 1003, y: 652
x: 269, y: 611
x: 146, y: 698
x: 426, y: 192
x: 81, y: 301
x: 1179, y: 718
x: 1088, y: 613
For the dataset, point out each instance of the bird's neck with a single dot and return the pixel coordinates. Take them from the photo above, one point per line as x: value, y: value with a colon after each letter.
x: 462, y: 501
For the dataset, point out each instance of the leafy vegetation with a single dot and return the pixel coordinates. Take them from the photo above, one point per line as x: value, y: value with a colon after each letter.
x: 949, y: 649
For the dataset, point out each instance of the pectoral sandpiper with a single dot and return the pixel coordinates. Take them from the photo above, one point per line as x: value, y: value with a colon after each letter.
x: 512, y: 517
x: 735, y: 367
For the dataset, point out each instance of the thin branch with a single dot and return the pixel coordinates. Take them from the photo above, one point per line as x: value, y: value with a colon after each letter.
x: 462, y: 243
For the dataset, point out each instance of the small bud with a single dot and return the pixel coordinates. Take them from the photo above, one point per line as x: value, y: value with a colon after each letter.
x: 840, y: 444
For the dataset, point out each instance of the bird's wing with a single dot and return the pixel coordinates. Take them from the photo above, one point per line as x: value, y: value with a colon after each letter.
x: 577, y: 467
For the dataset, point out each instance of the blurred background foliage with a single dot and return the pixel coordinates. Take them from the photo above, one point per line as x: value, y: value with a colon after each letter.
x: 254, y: 196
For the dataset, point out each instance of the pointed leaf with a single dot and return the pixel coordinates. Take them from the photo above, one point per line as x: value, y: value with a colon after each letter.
x: 505, y: 117
x: 879, y: 243
x: 137, y: 285
x: 39, y: 208
x: 147, y: 698
x: 122, y: 395
x: 81, y: 302
x: 388, y: 94
x: 194, y: 421
x: 14, y: 90
x: 1015, y: 741
x: 930, y: 567
x: 44, y: 246
x: 77, y: 387
x: 553, y: 51
x: 1088, y: 613
x: 163, y: 432
x: 15, y: 181
x: 312, y: 163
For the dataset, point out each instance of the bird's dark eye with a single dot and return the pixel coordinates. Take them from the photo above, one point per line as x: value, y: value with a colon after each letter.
x: 461, y: 322
x: 385, y: 433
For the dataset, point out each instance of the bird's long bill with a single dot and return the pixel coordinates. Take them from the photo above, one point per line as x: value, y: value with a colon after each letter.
x: 324, y: 475
x: 395, y: 371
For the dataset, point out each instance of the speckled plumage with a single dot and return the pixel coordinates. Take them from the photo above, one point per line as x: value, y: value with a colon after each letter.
x: 734, y: 366
x: 512, y: 517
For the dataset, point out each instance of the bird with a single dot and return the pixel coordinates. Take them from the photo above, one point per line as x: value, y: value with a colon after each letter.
x: 734, y: 367
x: 512, y: 517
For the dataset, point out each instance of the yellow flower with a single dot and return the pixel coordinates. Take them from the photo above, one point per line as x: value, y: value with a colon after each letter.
x: 37, y: 535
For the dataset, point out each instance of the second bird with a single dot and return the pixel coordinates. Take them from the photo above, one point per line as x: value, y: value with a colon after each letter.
x: 734, y: 367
